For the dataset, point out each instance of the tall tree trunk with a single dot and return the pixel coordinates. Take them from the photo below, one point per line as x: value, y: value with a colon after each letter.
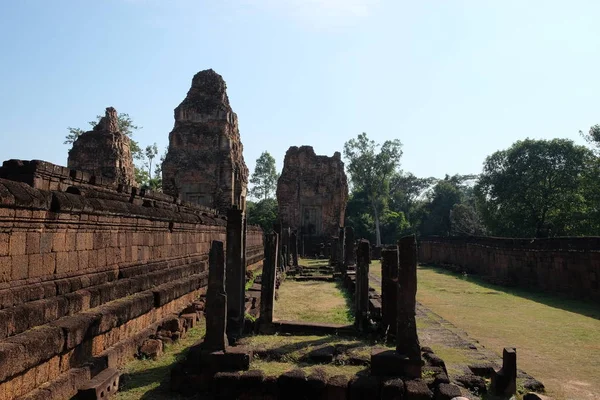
x: 377, y: 230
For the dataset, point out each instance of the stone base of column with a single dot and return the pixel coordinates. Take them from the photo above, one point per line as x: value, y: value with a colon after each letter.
x: 234, y: 358
x: 386, y: 362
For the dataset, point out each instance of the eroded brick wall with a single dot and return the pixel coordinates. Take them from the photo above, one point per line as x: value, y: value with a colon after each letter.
x: 88, y: 269
x: 569, y: 266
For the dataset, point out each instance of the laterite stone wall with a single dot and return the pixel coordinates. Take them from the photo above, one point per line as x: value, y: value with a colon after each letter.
x: 88, y: 269
x: 568, y: 266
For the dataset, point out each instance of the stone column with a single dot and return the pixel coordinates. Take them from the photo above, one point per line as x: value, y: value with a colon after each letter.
x: 288, y: 260
x: 504, y: 381
x: 269, y: 274
x: 216, y: 300
x: 361, y: 294
x: 334, y: 252
x: 294, y: 245
x: 407, y: 341
x: 236, y: 277
x: 349, y: 251
x: 341, y: 242
x: 389, y: 288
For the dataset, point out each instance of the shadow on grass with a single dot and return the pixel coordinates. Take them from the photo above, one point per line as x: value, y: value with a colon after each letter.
x: 551, y: 300
x: 129, y: 382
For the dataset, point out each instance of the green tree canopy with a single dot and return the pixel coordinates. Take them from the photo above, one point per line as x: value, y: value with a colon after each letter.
x: 263, y: 213
x: 264, y: 178
x: 535, y: 188
x: 371, y: 167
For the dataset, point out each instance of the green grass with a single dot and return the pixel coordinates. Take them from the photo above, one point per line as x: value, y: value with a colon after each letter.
x: 313, y: 301
x: 255, y: 273
x: 375, y: 268
x: 149, y: 379
x: 557, y: 340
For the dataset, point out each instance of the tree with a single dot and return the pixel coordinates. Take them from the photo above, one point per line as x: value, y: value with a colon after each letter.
x: 126, y: 126
x: 264, y: 178
x: 436, y: 219
x: 151, y: 152
x: 263, y: 213
x: 407, y: 193
x: 536, y: 188
x: 370, y: 171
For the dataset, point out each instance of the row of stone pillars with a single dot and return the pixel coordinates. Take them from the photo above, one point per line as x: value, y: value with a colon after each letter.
x: 288, y: 246
x: 399, y: 290
x: 226, y: 294
x: 343, y: 250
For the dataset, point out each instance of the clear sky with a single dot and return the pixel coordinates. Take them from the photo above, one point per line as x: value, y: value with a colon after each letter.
x: 453, y: 80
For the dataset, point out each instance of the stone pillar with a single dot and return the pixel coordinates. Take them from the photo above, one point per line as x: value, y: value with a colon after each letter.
x: 341, y: 242
x: 269, y: 275
x: 407, y: 341
x: 288, y: 260
x: 349, y: 251
x: 294, y: 245
x: 361, y: 294
x: 334, y: 252
x: 504, y: 381
x: 284, y: 258
x: 389, y: 288
x: 236, y: 277
x: 216, y: 300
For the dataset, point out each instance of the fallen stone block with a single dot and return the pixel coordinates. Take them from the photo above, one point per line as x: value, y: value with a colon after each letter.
x: 392, y: 389
x: 389, y: 363
x: 447, y: 391
x: 417, y: 390
x: 102, y: 386
x: 322, y: 355
x: 363, y: 388
x: 151, y: 348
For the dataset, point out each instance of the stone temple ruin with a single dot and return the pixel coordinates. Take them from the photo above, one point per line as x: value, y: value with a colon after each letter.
x: 204, y: 164
x: 95, y: 271
x: 104, y: 152
x: 312, y: 192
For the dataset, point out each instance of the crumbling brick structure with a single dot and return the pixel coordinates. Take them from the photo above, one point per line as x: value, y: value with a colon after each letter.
x: 88, y: 270
x: 104, y: 152
x: 204, y: 163
x: 312, y: 192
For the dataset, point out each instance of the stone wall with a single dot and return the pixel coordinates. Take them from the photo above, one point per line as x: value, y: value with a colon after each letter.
x: 569, y: 266
x: 312, y: 192
x: 88, y: 269
x: 205, y: 164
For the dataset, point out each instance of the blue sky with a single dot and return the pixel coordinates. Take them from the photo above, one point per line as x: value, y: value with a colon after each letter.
x: 453, y: 80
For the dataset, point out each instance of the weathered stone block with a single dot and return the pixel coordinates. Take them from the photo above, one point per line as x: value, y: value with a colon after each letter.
x: 389, y: 363
x: 337, y: 388
x: 20, y: 267
x: 417, y: 390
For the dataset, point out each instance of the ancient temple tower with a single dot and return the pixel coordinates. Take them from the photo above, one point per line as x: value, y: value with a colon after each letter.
x: 312, y: 192
x: 204, y: 163
x: 104, y: 151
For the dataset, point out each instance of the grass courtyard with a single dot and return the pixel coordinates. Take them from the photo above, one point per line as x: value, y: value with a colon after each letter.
x: 557, y: 340
x: 313, y: 301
